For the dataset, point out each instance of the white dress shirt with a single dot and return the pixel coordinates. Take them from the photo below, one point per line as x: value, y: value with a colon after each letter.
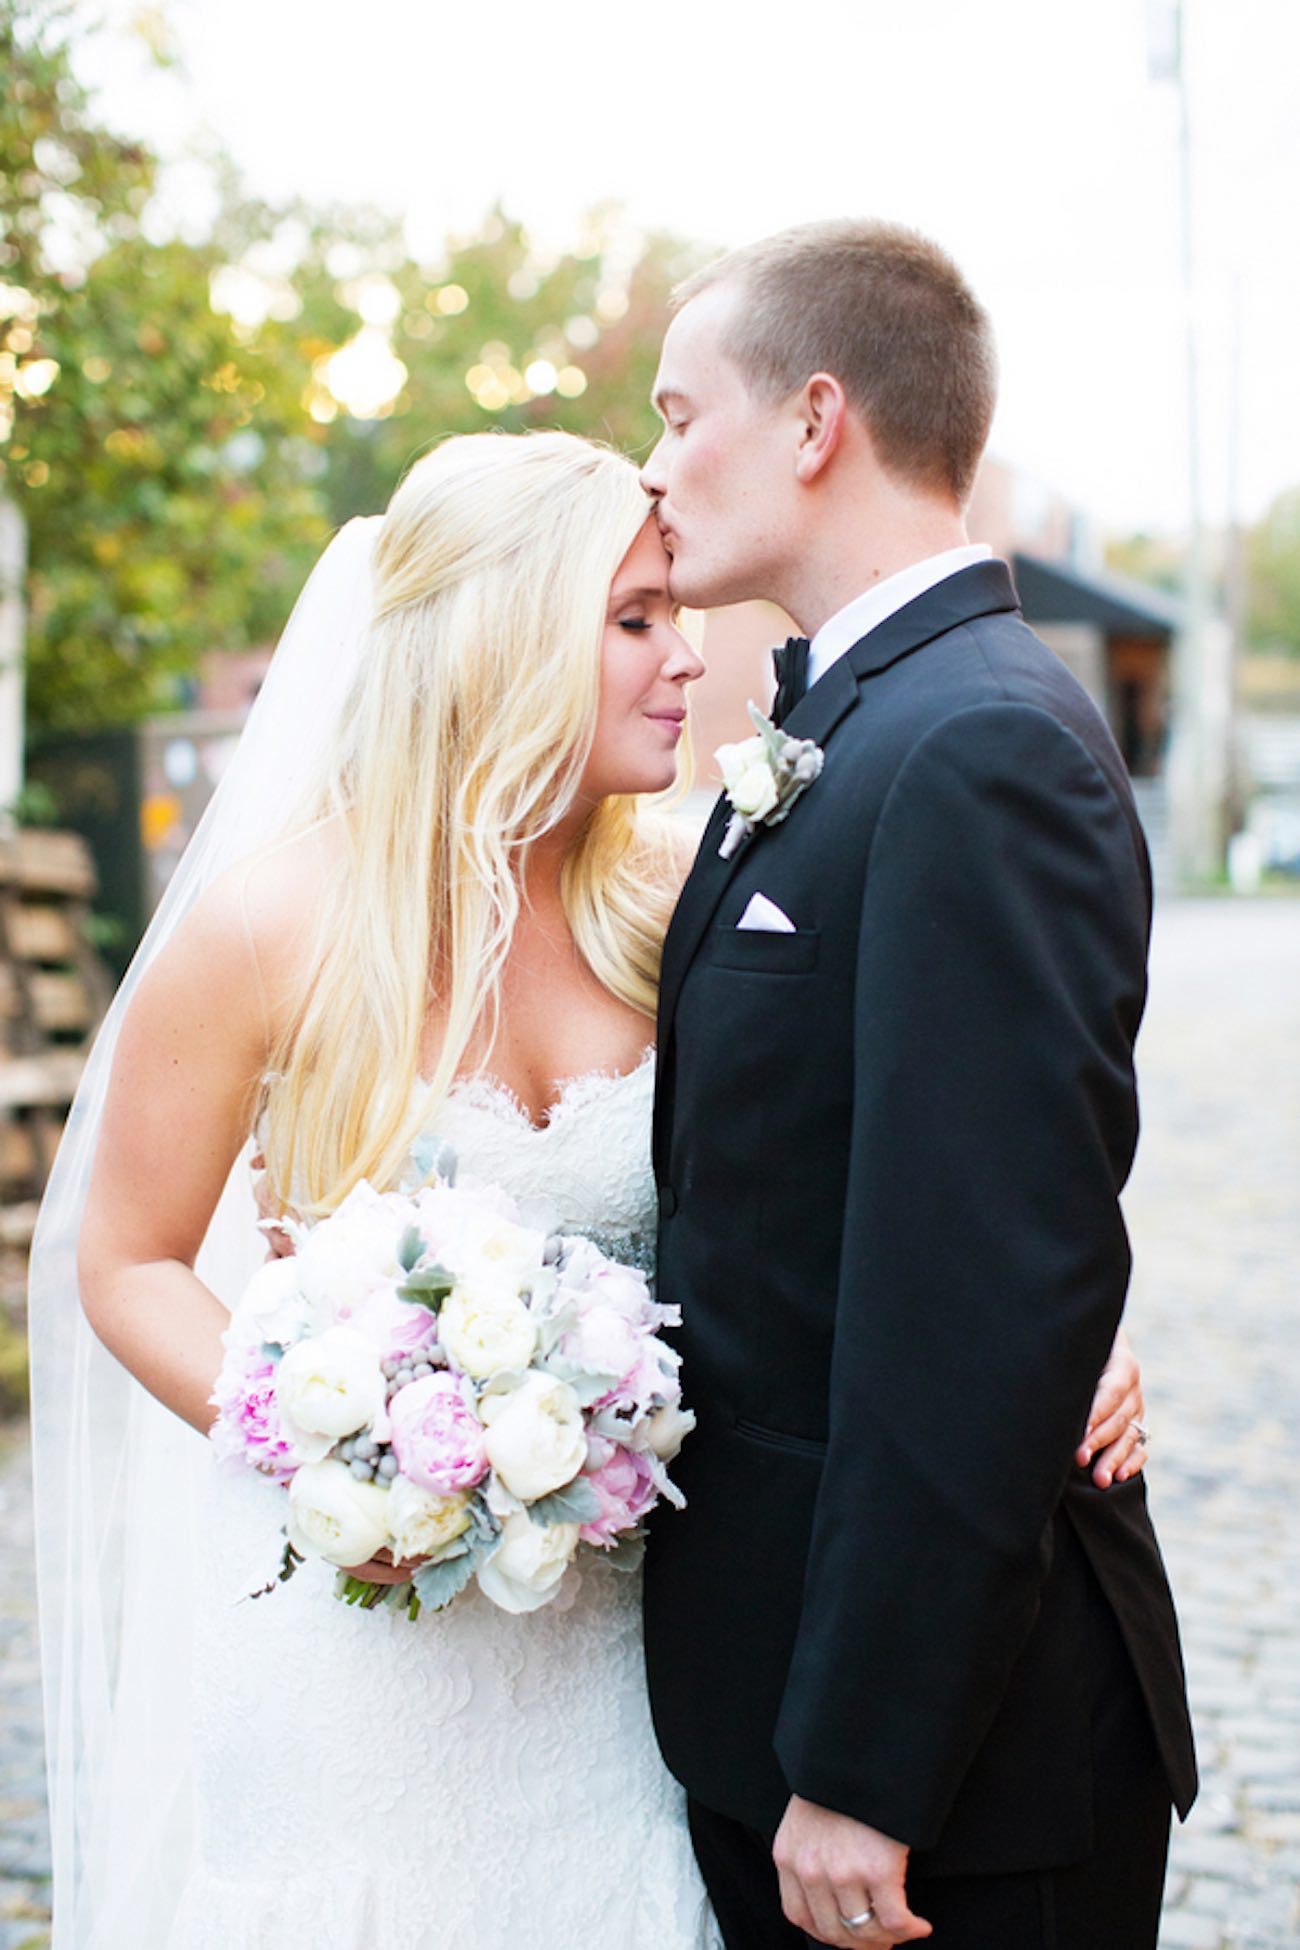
x: 850, y: 624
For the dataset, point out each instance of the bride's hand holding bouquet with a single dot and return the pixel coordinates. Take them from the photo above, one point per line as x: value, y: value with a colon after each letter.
x: 449, y: 1393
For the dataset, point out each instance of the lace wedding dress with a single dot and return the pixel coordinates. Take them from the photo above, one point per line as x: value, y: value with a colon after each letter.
x: 474, y: 1779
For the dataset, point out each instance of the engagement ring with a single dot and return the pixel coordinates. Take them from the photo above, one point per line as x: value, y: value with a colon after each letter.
x: 1143, y: 1435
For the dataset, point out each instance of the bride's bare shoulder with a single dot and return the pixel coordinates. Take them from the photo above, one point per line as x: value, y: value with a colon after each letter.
x: 271, y: 905
x: 285, y: 882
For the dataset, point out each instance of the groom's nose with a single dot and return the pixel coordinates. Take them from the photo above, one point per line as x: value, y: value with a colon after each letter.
x: 652, y: 474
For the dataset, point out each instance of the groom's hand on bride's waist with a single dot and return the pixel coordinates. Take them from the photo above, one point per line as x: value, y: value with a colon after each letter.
x: 833, y: 1868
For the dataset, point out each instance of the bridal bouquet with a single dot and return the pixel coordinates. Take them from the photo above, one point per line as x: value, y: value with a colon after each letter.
x: 429, y: 1374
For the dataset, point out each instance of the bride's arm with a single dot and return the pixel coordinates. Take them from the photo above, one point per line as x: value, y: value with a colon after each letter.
x: 180, y: 1102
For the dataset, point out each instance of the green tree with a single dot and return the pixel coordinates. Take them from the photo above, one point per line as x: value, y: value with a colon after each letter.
x: 56, y: 167
x: 1273, y: 579
x: 1155, y: 559
x: 161, y: 521
x: 489, y: 337
x: 173, y: 514
x: 183, y: 424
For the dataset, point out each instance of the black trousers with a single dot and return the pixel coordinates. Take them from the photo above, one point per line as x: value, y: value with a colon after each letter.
x: 1112, y: 1899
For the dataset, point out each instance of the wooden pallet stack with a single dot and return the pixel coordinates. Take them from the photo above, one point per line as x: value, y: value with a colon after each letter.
x: 53, y: 992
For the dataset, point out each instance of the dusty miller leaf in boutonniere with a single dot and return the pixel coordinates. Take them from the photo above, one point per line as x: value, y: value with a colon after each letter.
x: 763, y: 776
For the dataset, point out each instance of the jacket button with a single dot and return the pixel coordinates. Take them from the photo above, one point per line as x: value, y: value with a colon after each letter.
x: 667, y: 1201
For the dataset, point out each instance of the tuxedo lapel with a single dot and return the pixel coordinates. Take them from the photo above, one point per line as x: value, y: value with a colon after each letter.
x: 835, y: 695
x: 695, y: 907
x: 985, y: 589
x: 981, y: 590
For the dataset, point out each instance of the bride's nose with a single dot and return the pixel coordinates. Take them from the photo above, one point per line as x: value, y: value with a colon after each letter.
x: 684, y: 662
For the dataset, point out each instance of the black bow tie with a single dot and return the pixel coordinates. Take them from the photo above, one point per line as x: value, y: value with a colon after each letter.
x: 791, y: 662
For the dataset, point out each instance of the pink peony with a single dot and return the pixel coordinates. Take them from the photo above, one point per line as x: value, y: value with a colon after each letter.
x: 626, y: 1488
x: 650, y: 1383
x: 604, y: 1341
x: 398, y: 1328
x: 437, y: 1438
x: 248, y: 1429
x: 624, y: 1288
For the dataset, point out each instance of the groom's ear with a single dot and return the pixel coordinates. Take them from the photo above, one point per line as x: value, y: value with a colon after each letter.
x: 822, y: 408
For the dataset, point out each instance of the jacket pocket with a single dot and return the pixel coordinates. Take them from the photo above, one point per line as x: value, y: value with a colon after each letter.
x: 756, y: 951
x: 798, y: 1445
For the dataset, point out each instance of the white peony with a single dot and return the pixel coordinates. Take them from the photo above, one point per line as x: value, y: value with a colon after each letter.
x: 421, y: 1524
x: 498, y: 1252
x: 332, y: 1515
x: 527, y: 1565
x: 486, y: 1331
x: 747, y: 777
x: 477, y: 1230
x: 272, y: 1305
x: 329, y: 1387
x: 346, y: 1256
x: 536, y: 1441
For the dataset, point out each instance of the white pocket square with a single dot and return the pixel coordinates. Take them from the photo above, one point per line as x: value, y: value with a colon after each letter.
x: 765, y: 916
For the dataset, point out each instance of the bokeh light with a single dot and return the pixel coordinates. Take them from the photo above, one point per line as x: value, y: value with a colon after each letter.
x: 365, y: 376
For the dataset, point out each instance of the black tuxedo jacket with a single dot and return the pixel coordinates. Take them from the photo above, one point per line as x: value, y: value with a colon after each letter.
x: 889, y: 1149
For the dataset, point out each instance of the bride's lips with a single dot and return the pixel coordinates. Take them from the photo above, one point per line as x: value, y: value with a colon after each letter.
x: 673, y: 719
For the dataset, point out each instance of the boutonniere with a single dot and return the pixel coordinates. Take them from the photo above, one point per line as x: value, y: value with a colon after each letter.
x: 763, y: 776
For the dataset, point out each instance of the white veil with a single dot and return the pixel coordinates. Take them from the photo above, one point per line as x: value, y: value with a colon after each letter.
x: 117, y: 1474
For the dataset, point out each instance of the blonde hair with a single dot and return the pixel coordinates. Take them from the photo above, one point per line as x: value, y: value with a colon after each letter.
x: 464, y: 742
x: 890, y: 315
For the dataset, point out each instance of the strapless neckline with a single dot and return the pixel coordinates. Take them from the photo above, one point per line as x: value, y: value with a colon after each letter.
x: 587, y: 1167
x: 486, y: 1092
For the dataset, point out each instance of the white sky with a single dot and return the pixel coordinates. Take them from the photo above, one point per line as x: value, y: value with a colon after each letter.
x: 1025, y: 135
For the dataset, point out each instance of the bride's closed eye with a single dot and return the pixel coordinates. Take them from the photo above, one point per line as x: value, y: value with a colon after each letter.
x: 634, y: 623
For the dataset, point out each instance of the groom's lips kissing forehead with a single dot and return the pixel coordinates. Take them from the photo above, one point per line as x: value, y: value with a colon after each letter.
x: 665, y: 532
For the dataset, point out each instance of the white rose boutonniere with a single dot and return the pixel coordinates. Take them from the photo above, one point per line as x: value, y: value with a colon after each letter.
x: 763, y: 776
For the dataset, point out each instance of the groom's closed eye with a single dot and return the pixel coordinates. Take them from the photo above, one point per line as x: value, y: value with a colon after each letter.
x: 671, y: 408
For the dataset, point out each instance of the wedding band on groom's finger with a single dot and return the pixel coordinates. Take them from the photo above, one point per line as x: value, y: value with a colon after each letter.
x: 860, y: 1921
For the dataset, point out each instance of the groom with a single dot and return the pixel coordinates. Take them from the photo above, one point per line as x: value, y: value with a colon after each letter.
x: 914, y: 1669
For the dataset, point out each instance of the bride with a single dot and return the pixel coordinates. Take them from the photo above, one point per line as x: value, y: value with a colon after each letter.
x: 428, y: 899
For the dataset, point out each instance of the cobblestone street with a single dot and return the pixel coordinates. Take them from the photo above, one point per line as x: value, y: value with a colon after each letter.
x: 24, y: 1844
x: 1215, y: 1214
x: 1214, y: 1209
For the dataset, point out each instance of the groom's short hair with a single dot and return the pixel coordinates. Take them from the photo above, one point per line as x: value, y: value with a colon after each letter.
x: 890, y: 316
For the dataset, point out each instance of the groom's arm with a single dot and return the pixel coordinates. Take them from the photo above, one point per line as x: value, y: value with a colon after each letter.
x: 999, y: 988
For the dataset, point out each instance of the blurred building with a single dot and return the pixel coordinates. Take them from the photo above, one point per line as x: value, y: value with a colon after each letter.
x: 135, y: 794
x: 1268, y: 757
x: 1114, y: 635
